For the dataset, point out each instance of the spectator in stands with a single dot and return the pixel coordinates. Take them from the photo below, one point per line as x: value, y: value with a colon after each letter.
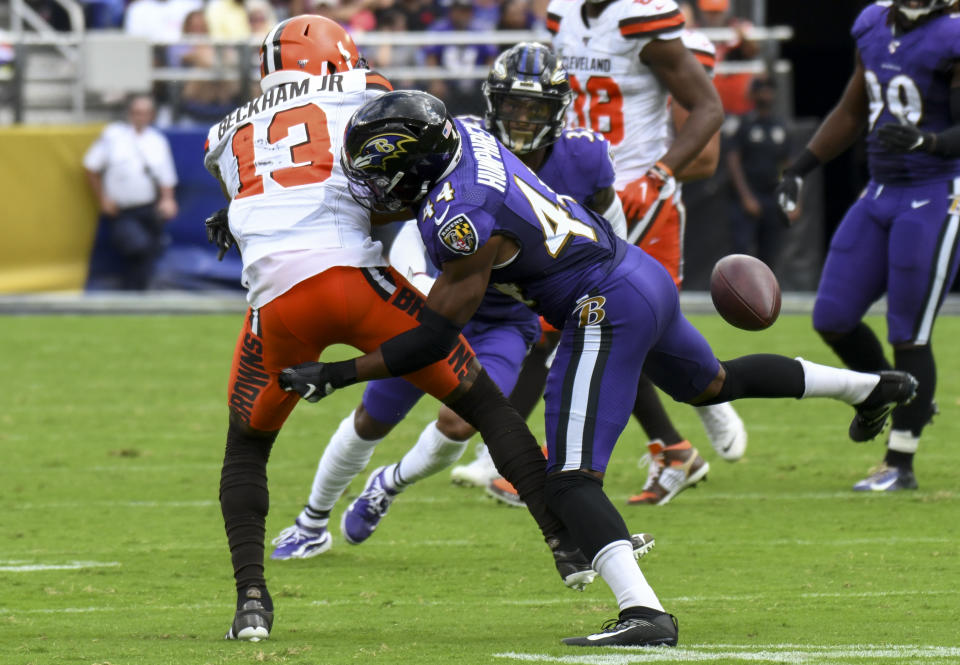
x: 461, y: 96
x: 158, y: 20
x: 486, y: 14
x: 262, y: 17
x: 103, y: 14
x: 418, y: 14
x: 395, y: 55
x: 733, y: 88
x: 516, y: 15
x: 130, y: 169
x: 355, y: 15
x: 758, y: 151
x: 204, y: 101
x: 228, y: 19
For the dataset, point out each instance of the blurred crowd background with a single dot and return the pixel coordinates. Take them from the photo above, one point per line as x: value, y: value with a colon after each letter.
x: 69, y: 66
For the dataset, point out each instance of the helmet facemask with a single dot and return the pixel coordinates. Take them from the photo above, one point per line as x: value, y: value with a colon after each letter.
x: 908, y: 14
x: 525, y: 123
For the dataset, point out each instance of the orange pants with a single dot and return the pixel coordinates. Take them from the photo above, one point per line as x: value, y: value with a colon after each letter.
x: 362, y: 307
x: 664, y: 238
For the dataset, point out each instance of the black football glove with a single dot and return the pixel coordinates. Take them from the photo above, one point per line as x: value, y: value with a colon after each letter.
x: 904, y: 138
x: 314, y: 381
x: 788, y: 192
x: 218, y: 233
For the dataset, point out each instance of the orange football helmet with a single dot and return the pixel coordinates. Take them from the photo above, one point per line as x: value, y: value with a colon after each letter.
x: 306, y: 44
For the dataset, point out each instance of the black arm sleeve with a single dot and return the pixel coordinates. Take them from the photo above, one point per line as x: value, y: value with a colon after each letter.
x: 947, y: 143
x: 424, y: 345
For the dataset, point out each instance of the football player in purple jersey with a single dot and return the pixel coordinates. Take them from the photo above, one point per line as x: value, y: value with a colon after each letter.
x: 501, y: 331
x: 486, y: 218
x: 900, y: 239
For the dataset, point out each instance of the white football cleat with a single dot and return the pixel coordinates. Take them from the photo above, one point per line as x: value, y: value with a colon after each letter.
x: 725, y: 429
x: 477, y: 473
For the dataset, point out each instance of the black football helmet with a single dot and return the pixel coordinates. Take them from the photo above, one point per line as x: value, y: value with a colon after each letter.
x: 527, y: 93
x: 911, y: 12
x: 397, y: 147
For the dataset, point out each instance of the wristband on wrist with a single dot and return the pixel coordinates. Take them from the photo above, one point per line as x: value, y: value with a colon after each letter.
x: 805, y: 163
x: 946, y: 144
x: 342, y: 373
x: 662, y: 170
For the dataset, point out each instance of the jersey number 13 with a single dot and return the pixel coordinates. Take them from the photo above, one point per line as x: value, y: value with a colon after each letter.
x: 312, y: 157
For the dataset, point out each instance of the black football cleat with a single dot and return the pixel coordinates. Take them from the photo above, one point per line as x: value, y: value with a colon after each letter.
x: 252, y: 621
x: 577, y: 572
x: 574, y: 569
x: 894, y: 389
x: 636, y: 627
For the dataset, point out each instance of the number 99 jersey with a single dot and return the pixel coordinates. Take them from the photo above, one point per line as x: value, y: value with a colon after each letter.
x: 615, y: 93
x: 278, y: 159
x: 908, y: 81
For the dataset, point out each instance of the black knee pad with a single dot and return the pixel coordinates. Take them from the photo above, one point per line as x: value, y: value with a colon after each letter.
x: 578, y: 498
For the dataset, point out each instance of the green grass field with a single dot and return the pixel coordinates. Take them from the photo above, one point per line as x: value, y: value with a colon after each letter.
x: 114, y: 552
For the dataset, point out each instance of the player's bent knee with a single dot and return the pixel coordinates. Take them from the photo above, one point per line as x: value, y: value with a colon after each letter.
x: 832, y: 320
x: 453, y: 426
x: 239, y: 430
x: 367, y: 427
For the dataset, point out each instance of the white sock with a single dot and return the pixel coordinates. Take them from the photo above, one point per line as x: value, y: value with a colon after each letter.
x: 432, y: 452
x: 842, y: 384
x: 903, y: 441
x: 620, y: 571
x: 346, y: 456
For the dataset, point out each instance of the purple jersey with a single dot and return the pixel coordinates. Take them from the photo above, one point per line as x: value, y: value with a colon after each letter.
x: 578, y: 164
x: 908, y: 77
x: 564, y: 247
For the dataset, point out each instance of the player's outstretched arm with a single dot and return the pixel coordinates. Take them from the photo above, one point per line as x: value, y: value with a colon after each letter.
x: 453, y: 299
x: 842, y: 126
x: 688, y: 84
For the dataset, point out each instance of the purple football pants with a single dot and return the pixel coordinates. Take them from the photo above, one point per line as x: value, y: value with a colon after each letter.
x: 900, y: 240
x: 628, y: 324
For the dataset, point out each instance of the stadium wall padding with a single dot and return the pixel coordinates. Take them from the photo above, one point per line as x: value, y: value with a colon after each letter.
x: 49, y: 235
x: 49, y: 214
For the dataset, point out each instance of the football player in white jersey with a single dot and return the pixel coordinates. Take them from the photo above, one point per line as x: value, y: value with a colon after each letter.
x: 315, y: 278
x: 627, y: 60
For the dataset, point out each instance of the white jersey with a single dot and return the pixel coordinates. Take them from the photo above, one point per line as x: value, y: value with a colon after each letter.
x: 278, y: 159
x: 702, y: 48
x: 616, y: 94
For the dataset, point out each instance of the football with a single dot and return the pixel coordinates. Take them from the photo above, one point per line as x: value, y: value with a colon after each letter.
x: 745, y: 292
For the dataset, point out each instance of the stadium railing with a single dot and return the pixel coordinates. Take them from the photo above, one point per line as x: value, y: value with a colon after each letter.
x: 80, y: 100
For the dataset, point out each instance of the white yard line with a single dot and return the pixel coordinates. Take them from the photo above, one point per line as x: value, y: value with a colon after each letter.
x: 24, y: 567
x: 760, y: 653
